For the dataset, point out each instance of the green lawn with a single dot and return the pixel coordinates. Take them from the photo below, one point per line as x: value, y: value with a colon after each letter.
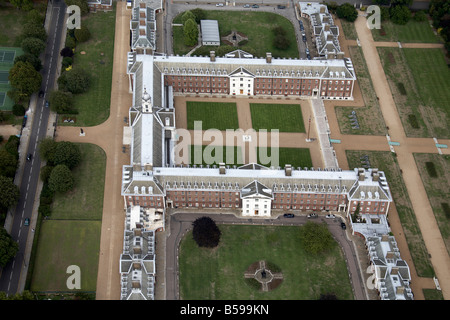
x: 218, y: 154
x: 63, y: 243
x: 437, y: 188
x: 93, y: 106
x: 71, y: 235
x: 218, y: 274
x: 297, y: 157
x: 213, y: 115
x: 284, y: 117
x: 11, y: 22
x: 412, y: 31
x: 387, y: 162
x: 257, y: 26
x: 85, y: 201
x: 425, y: 78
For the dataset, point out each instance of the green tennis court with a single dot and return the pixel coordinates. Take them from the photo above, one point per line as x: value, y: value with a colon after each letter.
x: 4, y: 76
x: 7, y: 56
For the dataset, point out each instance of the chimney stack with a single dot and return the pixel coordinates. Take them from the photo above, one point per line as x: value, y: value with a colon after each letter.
x: 268, y: 57
x: 221, y: 168
x: 288, y: 170
x: 212, y: 56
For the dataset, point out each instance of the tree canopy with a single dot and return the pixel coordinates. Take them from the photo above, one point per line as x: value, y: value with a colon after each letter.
x: 61, y: 179
x: 205, y: 232
x: 8, y: 247
x: 190, y: 32
x: 75, y: 81
x: 315, y: 237
x: 34, y: 46
x: 61, y: 101
x: 24, y: 79
x: 9, y: 192
x: 347, y: 11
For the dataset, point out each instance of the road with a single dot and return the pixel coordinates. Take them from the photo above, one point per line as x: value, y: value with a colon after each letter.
x: 181, y: 222
x: 14, y: 273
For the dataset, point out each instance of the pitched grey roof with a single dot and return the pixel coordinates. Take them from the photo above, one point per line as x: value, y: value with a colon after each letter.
x: 256, y: 188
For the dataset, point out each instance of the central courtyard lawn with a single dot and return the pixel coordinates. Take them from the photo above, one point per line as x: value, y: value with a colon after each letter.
x: 296, y: 157
x: 213, y: 115
x: 257, y: 26
x: 218, y: 274
x: 283, y: 117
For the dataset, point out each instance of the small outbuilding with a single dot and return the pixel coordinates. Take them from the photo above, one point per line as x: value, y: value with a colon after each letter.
x: 210, y: 32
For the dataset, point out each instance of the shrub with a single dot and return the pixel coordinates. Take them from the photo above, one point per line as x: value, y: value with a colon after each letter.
x: 420, y: 16
x: 446, y: 209
x: 400, y: 14
x: 347, y: 11
x: 431, y: 169
x: 413, y: 121
x: 66, y: 52
x: 18, y: 110
x: 61, y: 179
x: 83, y: 34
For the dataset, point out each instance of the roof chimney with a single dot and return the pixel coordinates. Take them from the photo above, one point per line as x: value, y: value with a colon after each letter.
x: 268, y: 57
x: 212, y: 56
x: 288, y: 170
x: 221, y: 168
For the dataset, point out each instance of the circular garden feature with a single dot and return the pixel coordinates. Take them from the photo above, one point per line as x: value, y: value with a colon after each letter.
x: 264, y: 276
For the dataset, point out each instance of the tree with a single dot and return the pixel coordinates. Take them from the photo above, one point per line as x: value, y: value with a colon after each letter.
x: 47, y: 148
x: 45, y: 173
x: 420, y: 16
x: 8, y: 164
x: 8, y: 247
x: 67, y: 153
x: 9, y: 192
x: 34, y: 46
x: 199, y: 14
x: 400, y: 14
x: 75, y: 81
x: 24, y: 79
x: 190, y: 32
x: 61, y: 101
x: 347, y: 11
x: 205, y: 232
x: 33, y: 29
x: 66, y: 52
x: 186, y: 16
x: 315, y: 237
x: 83, y: 34
x: 22, y: 4
x: 61, y: 179
x: 27, y: 57
x: 280, y: 41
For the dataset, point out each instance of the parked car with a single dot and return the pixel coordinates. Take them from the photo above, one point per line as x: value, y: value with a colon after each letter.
x: 281, y: 7
x: 255, y: 6
x: 46, y: 103
x: 288, y: 215
x: 304, y: 38
x: 27, y: 222
x: 330, y: 216
x: 29, y: 156
x: 24, y: 121
x: 307, y: 51
x: 312, y: 215
x: 343, y: 226
x: 219, y: 4
x: 246, y: 6
x: 308, y: 56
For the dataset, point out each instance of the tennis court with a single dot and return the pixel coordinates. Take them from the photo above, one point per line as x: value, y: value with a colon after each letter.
x: 7, y: 56
x: 4, y: 76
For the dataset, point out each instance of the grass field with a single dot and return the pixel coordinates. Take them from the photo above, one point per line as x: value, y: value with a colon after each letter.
x: 412, y: 31
x: 71, y: 236
x: 93, y: 106
x: 218, y: 274
x: 297, y: 157
x: 11, y: 22
x: 63, y: 243
x: 219, y: 154
x: 257, y: 26
x: 213, y: 115
x: 387, y: 162
x: 284, y: 117
x: 438, y: 189
x: 425, y: 79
